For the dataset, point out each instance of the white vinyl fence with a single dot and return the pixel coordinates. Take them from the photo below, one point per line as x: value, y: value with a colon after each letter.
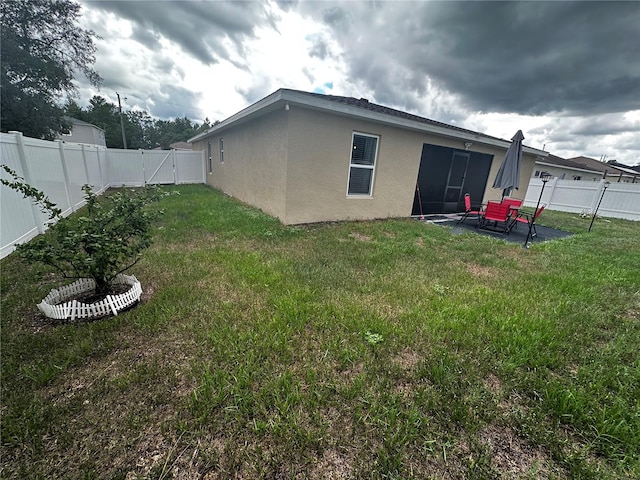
x: 620, y: 200
x: 60, y: 170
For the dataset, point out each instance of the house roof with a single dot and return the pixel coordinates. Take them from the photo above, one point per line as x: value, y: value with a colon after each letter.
x: 555, y: 161
x: 75, y: 121
x: 181, y: 146
x: 603, y: 167
x: 359, y: 108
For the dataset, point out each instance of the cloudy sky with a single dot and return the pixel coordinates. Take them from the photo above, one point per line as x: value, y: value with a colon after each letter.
x: 566, y: 73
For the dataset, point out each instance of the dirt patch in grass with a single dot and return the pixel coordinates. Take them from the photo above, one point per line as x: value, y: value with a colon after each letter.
x: 407, y: 359
x: 513, y: 404
x: 333, y: 464
x: 480, y: 271
x: 493, y: 384
x: 147, y: 292
x: 440, y: 459
x: 350, y: 373
x: 512, y: 456
x: 360, y: 236
x: 633, y: 314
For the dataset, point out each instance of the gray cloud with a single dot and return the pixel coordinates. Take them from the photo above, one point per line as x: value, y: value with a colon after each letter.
x: 146, y: 37
x: 287, y: 5
x: 523, y: 57
x: 260, y: 88
x: 200, y: 28
x: 307, y: 73
x: 174, y: 101
x: 320, y: 48
x: 610, y: 124
x: 337, y: 17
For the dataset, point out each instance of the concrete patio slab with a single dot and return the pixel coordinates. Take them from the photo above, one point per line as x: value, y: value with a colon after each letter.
x: 517, y: 235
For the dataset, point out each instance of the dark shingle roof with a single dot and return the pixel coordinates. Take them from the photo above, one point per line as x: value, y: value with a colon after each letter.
x: 76, y: 121
x: 374, y: 107
x: 566, y: 163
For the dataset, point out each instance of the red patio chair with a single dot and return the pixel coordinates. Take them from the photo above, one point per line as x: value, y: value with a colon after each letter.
x: 468, y: 209
x: 496, y: 213
x: 514, y: 204
x: 530, y: 219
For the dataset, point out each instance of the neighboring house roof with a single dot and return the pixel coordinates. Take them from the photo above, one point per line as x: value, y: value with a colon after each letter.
x: 360, y: 108
x: 75, y: 121
x: 603, y: 167
x: 181, y: 146
x: 623, y: 167
x: 555, y: 161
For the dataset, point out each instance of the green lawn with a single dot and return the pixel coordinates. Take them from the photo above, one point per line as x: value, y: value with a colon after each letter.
x: 387, y: 349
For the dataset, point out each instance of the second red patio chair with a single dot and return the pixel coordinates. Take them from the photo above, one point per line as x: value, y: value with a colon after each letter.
x: 469, y: 210
x: 514, y: 205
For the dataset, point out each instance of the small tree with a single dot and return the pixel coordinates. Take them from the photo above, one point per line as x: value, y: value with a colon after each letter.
x: 105, y: 239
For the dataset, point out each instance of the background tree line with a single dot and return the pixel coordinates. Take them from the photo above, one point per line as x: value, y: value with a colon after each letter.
x: 141, y: 130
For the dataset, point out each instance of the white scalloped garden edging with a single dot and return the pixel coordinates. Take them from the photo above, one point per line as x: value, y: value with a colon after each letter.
x: 55, y: 305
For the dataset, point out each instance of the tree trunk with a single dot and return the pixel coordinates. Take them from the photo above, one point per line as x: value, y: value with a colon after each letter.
x: 102, y: 286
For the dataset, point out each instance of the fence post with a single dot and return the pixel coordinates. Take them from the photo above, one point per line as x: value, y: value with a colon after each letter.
x: 84, y: 161
x: 144, y: 174
x: 100, y: 168
x: 28, y: 178
x: 204, y: 167
x: 65, y: 173
x: 175, y: 168
x: 597, y: 195
x: 552, y: 189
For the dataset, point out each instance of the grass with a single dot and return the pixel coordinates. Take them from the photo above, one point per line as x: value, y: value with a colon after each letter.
x: 387, y: 349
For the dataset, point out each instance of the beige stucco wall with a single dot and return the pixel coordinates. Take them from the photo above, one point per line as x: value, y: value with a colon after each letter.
x: 255, y: 160
x: 294, y: 164
x: 318, y: 168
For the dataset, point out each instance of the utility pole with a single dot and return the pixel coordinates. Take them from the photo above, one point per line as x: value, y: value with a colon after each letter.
x: 124, y: 138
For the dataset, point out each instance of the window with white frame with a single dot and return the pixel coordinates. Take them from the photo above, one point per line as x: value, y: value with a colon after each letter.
x: 209, y: 156
x: 221, y: 150
x: 364, y: 149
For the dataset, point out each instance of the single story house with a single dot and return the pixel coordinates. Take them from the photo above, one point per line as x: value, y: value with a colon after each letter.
x: 307, y: 157
x: 83, y: 132
x: 565, y: 169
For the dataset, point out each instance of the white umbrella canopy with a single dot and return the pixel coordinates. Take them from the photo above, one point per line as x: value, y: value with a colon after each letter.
x: 508, y: 176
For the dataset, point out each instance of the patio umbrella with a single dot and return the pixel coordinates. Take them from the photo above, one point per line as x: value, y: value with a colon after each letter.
x: 508, y: 176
